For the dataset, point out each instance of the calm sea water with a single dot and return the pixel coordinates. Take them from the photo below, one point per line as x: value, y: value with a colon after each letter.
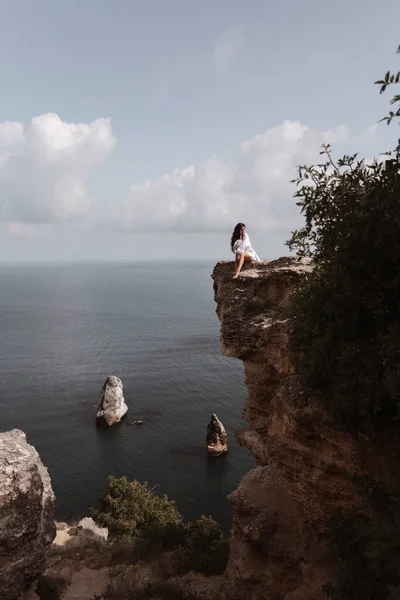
x: 65, y: 328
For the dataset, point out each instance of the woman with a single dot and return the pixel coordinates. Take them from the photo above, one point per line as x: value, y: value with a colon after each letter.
x: 241, y: 247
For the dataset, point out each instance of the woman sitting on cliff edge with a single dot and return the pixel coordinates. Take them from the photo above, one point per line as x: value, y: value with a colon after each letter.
x: 241, y: 247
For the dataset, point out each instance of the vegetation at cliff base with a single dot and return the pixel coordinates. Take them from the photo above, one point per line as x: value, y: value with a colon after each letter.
x: 128, y: 508
x: 346, y: 325
x: 151, y: 524
x: 368, y: 549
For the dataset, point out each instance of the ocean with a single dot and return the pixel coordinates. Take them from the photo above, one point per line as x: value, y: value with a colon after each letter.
x: 65, y: 328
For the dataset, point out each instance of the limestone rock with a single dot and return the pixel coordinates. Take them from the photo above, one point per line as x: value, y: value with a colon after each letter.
x: 253, y: 309
x: 112, y: 405
x: 216, y: 437
x: 306, y: 467
x: 26, y: 514
x: 88, y: 528
x: 80, y: 534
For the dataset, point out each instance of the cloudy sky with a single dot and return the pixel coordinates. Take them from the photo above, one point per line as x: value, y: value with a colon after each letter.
x: 146, y: 129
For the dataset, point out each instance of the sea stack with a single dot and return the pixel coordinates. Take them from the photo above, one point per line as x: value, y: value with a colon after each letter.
x: 112, y: 406
x: 216, y: 438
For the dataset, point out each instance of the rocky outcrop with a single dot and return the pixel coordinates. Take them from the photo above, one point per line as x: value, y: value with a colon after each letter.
x: 307, y: 467
x: 112, y: 406
x: 26, y: 514
x: 88, y: 528
x: 79, y: 534
x: 217, y: 440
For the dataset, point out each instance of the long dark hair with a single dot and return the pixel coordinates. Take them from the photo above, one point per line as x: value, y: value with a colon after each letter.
x: 236, y: 234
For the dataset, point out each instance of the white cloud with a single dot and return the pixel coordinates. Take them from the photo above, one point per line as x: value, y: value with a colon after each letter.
x: 44, y: 168
x: 228, y: 47
x: 213, y: 195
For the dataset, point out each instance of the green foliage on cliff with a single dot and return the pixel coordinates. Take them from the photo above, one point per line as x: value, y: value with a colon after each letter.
x: 346, y: 335
x: 346, y: 325
x: 205, y: 549
x: 128, y: 508
x: 368, y: 549
x: 388, y: 80
x: 151, y: 524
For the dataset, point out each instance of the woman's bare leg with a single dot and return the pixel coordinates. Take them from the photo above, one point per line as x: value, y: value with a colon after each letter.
x: 240, y: 258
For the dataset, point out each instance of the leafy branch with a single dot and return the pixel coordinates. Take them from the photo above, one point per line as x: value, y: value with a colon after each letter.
x: 389, y: 79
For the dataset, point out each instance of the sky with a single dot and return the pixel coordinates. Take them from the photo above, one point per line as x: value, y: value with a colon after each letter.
x: 145, y: 130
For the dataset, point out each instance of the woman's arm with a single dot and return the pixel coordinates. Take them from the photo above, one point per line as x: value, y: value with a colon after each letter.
x: 246, y: 239
x: 236, y: 245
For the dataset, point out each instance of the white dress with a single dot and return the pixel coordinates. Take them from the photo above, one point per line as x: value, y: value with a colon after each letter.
x: 244, y: 246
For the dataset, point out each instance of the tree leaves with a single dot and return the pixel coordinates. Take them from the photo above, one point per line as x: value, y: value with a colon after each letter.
x: 346, y: 335
x: 389, y: 79
x: 345, y: 315
x: 129, y: 506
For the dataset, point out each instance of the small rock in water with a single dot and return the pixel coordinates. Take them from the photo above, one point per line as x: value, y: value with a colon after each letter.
x: 138, y: 422
x: 216, y: 437
x: 112, y: 405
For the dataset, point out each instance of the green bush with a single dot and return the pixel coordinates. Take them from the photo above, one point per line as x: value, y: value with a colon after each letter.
x: 346, y: 316
x: 128, y: 508
x: 157, y: 538
x: 368, y: 549
x: 151, y: 524
x: 205, y: 548
x: 346, y: 337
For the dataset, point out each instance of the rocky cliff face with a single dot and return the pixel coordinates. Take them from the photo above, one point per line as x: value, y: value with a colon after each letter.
x: 26, y: 514
x: 306, y: 467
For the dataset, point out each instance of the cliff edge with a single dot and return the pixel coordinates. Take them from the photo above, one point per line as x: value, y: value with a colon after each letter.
x: 306, y: 466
